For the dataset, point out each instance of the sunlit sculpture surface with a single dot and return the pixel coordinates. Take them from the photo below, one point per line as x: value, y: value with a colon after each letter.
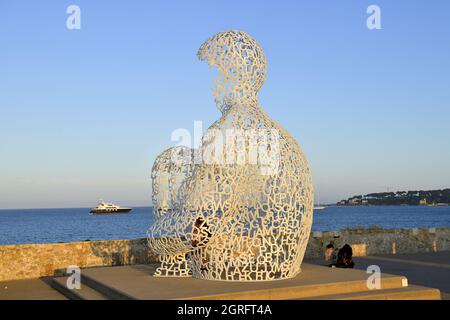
x: 243, y: 212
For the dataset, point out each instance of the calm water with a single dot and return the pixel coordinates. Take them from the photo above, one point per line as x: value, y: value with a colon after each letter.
x: 64, y: 225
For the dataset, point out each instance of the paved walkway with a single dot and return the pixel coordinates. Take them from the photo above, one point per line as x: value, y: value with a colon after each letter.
x: 33, y: 289
x: 424, y: 269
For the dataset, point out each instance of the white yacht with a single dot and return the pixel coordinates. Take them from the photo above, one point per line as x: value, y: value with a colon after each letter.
x: 108, y: 208
x: 318, y: 206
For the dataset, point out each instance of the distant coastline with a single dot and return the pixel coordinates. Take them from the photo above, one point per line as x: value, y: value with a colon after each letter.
x: 400, y: 198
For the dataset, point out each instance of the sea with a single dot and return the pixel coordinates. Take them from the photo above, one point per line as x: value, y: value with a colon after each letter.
x: 22, y: 226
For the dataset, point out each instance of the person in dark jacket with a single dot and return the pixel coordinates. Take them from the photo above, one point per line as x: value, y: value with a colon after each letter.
x: 200, y: 237
x: 344, y: 259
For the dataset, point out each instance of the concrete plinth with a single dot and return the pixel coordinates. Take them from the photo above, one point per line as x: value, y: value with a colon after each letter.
x: 315, y: 282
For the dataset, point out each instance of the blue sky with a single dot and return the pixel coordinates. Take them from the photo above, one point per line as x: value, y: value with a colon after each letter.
x: 83, y: 113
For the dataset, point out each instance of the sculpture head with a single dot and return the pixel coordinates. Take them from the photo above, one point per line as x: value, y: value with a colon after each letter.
x: 169, y: 171
x: 241, y: 64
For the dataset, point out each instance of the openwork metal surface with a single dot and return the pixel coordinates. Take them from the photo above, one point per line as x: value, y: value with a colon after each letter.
x: 244, y: 212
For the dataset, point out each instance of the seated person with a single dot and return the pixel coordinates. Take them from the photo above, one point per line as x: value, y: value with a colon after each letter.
x: 344, y: 259
x: 329, y: 255
x: 201, y: 237
x: 200, y: 232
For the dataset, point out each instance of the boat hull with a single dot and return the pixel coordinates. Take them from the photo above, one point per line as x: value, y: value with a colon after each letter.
x: 116, y: 211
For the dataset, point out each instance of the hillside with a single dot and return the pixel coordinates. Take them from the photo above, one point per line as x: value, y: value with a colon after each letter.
x: 414, y: 198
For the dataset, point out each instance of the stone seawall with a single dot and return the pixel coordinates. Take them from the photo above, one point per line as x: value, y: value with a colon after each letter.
x: 27, y: 261
x: 375, y: 241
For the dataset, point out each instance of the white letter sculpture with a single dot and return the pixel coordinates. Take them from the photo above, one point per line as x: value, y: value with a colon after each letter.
x: 244, y: 211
